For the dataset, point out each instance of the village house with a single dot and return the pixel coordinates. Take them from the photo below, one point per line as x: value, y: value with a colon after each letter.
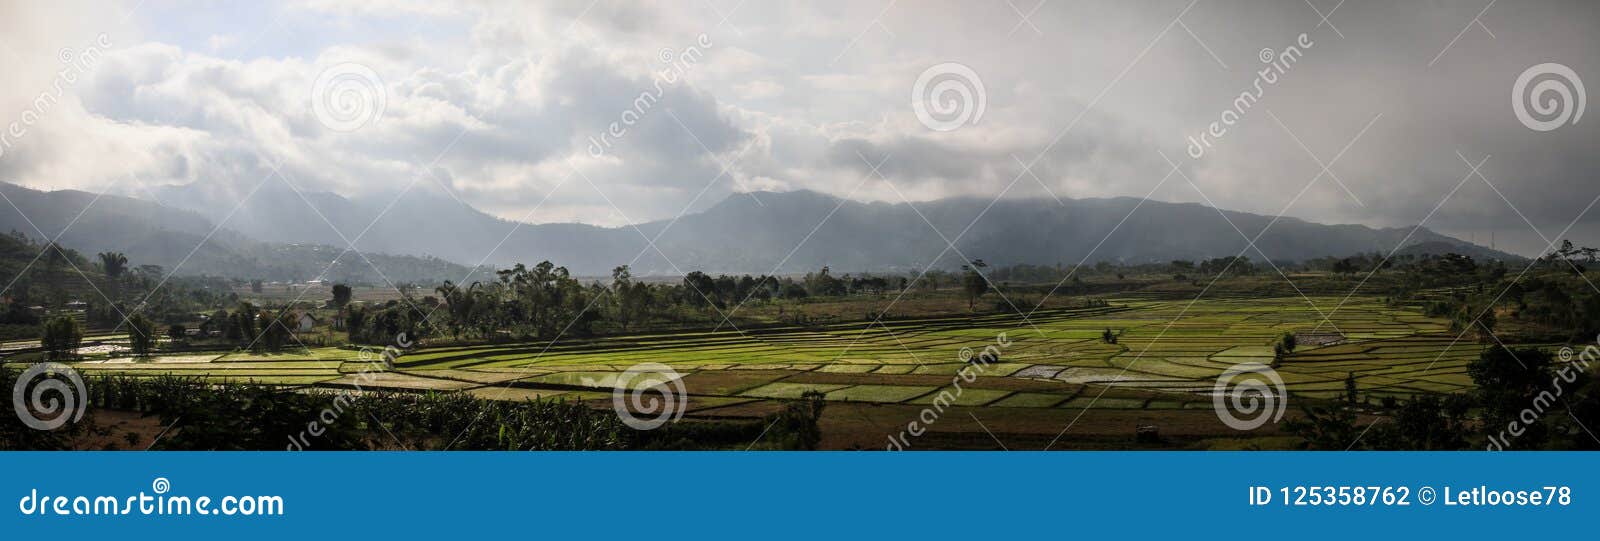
x: 304, y: 322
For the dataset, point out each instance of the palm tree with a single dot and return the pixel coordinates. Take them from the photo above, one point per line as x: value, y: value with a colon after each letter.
x: 114, y: 263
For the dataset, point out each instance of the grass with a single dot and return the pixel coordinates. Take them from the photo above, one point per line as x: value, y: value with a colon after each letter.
x: 963, y: 397
x: 1030, y: 400
x: 878, y: 393
x: 789, y: 390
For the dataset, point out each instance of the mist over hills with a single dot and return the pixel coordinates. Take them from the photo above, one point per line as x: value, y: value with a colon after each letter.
x: 429, y: 235
x: 154, y: 234
x: 740, y: 234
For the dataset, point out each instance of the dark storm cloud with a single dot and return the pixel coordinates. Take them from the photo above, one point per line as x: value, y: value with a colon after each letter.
x: 1088, y: 95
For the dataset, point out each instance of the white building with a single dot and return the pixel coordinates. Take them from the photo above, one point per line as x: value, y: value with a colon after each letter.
x: 305, y: 322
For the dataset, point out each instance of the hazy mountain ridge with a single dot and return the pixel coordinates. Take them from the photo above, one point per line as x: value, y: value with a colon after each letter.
x: 881, y: 236
x: 756, y: 234
x: 156, y: 234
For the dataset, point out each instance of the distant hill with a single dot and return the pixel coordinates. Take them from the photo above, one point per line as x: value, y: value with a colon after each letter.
x: 153, y: 234
x: 1435, y: 247
x: 740, y: 235
x: 421, y: 221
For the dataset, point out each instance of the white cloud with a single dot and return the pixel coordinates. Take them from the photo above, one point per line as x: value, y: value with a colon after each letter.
x: 510, y: 93
x: 218, y: 42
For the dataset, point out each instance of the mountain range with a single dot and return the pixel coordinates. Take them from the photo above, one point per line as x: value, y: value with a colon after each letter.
x: 154, y: 234
x: 422, y: 235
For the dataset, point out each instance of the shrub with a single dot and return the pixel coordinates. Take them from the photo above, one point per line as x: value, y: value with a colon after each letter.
x: 61, y: 339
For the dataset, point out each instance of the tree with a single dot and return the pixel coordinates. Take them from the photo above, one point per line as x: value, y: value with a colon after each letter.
x: 627, y: 296
x: 274, y: 330
x: 1344, y: 266
x: 1509, y: 383
x: 244, y: 323
x: 1350, y: 388
x: 1288, y: 342
x: 795, y: 426
x: 1108, y: 336
x: 353, y: 322
x: 1474, y: 316
x: 973, y: 283
x: 61, y: 339
x: 341, y: 295
x: 459, y: 304
x: 114, y: 263
x: 255, y: 286
x: 224, y: 323
x: 177, y: 332
x: 216, y: 322
x: 1327, y: 428
x: 55, y: 257
x: 700, y: 288
x: 17, y: 313
x: 141, y: 335
x: 1569, y: 255
x: 1427, y: 423
x: 823, y: 284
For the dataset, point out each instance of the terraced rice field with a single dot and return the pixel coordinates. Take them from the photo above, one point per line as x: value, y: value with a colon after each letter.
x: 1168, y: 355
x: 1163, y: 346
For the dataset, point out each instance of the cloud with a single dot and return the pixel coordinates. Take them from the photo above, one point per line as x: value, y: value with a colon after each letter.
x: 501, y: 126
x: 503, y: 100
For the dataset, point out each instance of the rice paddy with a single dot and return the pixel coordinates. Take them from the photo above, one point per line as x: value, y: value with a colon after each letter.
x: 1167, y: 356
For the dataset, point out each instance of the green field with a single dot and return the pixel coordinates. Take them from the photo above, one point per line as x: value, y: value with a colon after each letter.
x: 1168, y: 353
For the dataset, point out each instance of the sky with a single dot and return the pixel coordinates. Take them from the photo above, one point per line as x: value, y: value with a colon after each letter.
x: 1386, y: 115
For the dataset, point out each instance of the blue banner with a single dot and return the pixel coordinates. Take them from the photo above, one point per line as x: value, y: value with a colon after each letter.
x: 675, y: 495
